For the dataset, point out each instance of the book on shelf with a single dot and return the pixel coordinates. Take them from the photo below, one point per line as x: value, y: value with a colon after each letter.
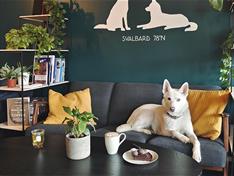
x: 14, y: 111
x: 48, y: 69
x: 41, y: 69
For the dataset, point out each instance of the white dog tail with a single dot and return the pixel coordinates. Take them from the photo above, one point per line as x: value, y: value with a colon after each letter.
x: 193, y: 27
x: 100, y: 26
x: 123, y: 128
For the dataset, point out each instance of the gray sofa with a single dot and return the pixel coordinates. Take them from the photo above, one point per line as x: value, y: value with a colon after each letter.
x: 112, y: 103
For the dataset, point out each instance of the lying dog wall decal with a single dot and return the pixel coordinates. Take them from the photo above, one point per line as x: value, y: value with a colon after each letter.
x: 170, y: 21
x: 117, y: 18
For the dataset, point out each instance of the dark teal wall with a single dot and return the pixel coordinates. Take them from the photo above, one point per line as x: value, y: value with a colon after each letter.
x: 9, y: 12
x: 100, y: 55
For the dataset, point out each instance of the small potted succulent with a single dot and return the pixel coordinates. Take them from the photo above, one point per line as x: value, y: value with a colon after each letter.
x: 10, y: 74
x: 26, y: 74
x: 78, y: 134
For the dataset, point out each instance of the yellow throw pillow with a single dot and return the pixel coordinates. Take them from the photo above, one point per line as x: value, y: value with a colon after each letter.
x: 205, y: 108
x: 80, y: 99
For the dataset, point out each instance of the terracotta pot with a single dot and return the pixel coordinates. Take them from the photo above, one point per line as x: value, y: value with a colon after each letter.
x: 77, y: 148
x: 11, y: 83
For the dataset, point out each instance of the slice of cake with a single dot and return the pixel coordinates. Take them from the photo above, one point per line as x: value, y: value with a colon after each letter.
x: 141, y: 154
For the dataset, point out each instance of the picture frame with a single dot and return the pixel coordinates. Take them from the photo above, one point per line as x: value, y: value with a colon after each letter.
x: 14, y: 111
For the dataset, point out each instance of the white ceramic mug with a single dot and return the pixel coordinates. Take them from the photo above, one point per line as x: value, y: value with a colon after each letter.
x: 112, y: 142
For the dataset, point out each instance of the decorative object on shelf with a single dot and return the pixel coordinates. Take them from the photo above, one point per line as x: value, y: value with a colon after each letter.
x: 10, y: 74
x: 26, y: 74
x: 30, y: 36
x: 14, y: 111
x: 78, y: 136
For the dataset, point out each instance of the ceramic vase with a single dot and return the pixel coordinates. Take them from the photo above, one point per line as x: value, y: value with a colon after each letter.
x: 77, y: 148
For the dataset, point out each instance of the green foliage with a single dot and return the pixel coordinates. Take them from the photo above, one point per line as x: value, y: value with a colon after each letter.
x: 30, y: 35
x: 7, y: 72
x: 77, y: 126
x: 216, y: 4
x: 56, y: 21
x: 226, y: 66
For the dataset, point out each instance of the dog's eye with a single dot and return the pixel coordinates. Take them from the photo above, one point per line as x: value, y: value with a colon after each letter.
x: 169, y: 98
x: 178, y: 99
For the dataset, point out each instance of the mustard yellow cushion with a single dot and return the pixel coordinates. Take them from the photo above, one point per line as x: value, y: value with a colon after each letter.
x: 205, y: 108
x: 80, y: 99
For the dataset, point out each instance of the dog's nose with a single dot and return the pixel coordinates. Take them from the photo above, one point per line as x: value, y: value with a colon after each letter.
x: 172, y: 109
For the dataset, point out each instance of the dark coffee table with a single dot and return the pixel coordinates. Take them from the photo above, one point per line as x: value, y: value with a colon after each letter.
x: 18, y: 157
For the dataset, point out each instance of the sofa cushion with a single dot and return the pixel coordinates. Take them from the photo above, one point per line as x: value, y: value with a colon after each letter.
x: 80, y: 99
x: 130, y: 135
x: 213, y: 152
x: 128, y: 96
x: 100, y: 95
x: 205, y: 108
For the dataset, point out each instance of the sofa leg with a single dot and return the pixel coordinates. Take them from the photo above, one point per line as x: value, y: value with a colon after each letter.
x: 225, y: 170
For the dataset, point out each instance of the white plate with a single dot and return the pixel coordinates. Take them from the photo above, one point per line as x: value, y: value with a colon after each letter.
x: 127, y: 156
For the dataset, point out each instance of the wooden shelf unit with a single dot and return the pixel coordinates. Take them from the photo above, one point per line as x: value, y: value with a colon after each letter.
x: 37, y: 18
x: 29, y: 50
x: 11, y: 127
x: 30, y: 87
x: 44, y: 18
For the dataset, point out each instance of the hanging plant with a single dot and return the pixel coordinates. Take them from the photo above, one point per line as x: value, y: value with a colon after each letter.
x: 226, y: 66
x: 216, y: 4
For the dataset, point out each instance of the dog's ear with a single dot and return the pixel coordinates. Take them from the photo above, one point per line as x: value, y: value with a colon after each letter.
x: 166, y: 86
x: 184, y: 89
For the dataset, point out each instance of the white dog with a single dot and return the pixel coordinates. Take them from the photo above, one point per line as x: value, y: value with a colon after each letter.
x: 117, y: 18
x: 170, y: 21
x: 172, y: 118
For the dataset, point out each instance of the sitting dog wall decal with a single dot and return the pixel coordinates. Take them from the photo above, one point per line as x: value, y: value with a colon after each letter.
x: 168, y: 21
x: 117, y: 18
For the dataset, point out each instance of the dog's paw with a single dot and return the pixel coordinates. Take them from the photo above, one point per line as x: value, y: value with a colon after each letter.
x: 197, y: 156
x: 184, y: 139
x: 147, y: 132
x: 139, y: 26
x: 128, y: 28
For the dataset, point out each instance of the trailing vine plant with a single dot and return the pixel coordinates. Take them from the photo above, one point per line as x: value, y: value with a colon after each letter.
x: 226, y: 70
x: 57, y: 20
x: 226, y: 62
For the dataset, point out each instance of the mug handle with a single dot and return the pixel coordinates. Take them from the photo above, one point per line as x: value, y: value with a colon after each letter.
x: 124, y: 137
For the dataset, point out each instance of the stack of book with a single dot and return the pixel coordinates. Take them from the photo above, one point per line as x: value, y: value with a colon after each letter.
x: 48, y: 69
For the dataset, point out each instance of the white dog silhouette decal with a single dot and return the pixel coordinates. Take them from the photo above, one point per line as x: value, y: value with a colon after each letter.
x: 117, y: 18
x: 170, y: 21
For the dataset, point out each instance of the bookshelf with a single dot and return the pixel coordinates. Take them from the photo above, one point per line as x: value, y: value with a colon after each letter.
x: 44, y: 18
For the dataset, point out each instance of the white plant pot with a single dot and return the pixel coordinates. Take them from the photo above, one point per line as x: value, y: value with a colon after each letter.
x: 77, y: 148
x: 25, y: 79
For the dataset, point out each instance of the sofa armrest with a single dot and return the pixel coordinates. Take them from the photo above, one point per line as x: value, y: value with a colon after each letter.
x: 231, y: 138
x: 225, y: 125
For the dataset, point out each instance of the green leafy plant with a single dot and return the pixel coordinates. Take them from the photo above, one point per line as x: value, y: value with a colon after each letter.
x: 25, y: 69
x: 30, y: 35
x: 8, y: 72
x: 226, y: 66
x: 216, y: 4
x: 56, y: 21
x: 78, y: 124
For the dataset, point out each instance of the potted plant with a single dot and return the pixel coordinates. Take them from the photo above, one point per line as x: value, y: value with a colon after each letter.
x: 26, y: 74
x: 78, y: 134
x: 10, y: 74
